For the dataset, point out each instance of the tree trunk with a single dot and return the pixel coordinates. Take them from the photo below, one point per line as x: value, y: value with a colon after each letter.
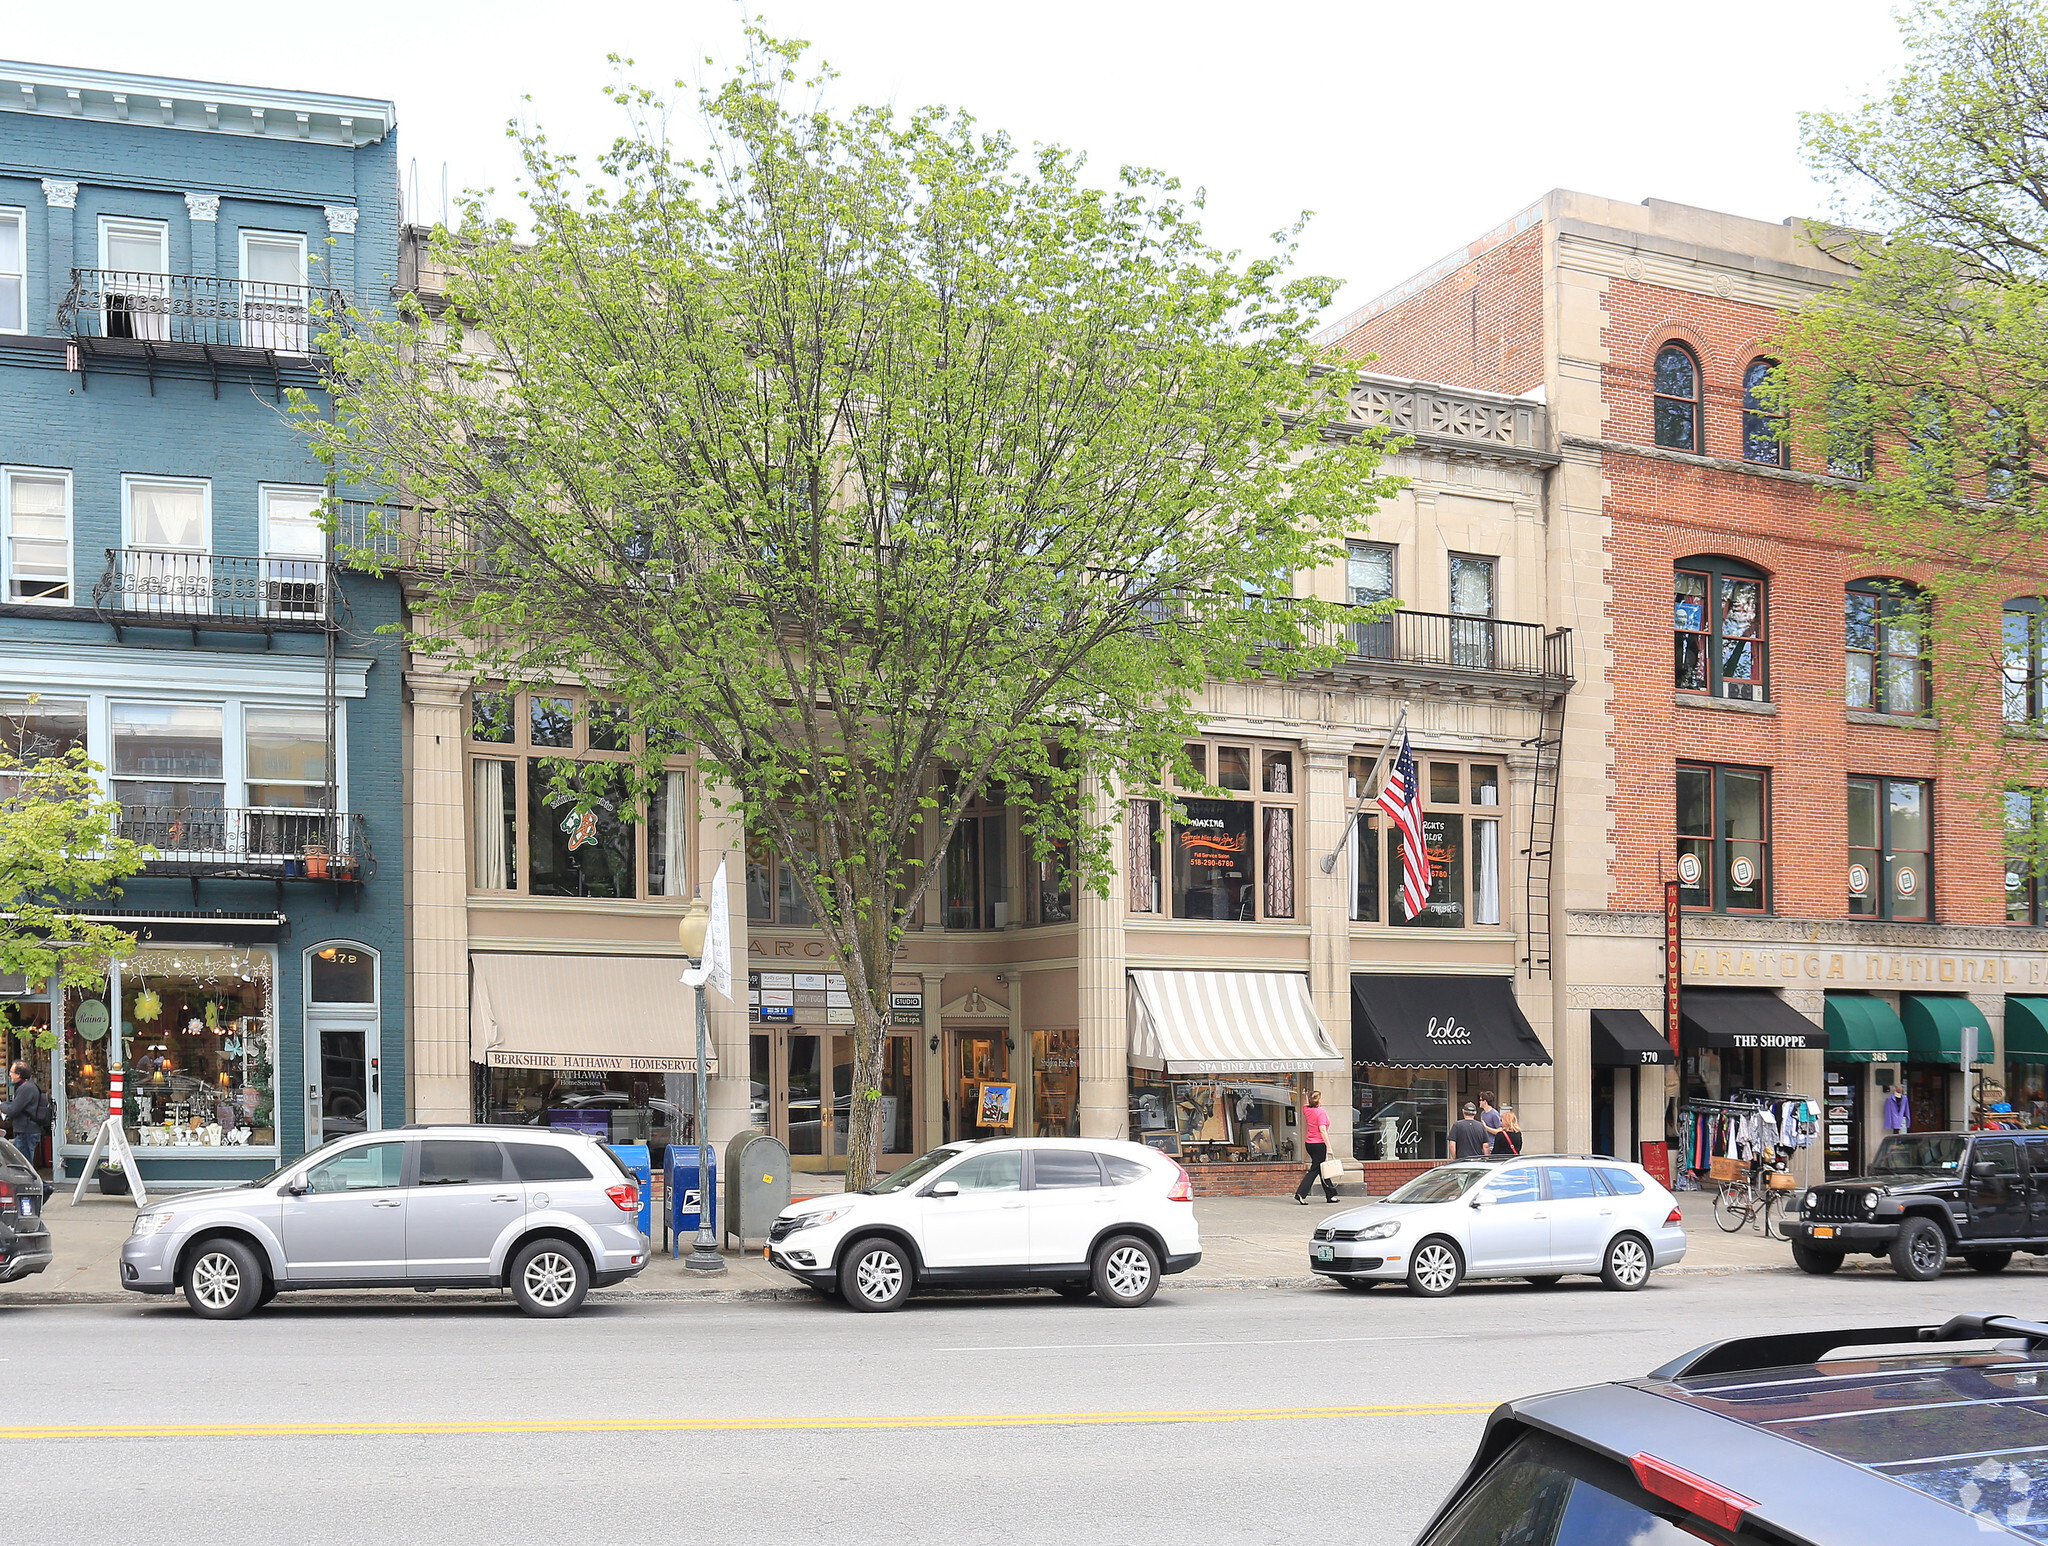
x: 864, y: 1114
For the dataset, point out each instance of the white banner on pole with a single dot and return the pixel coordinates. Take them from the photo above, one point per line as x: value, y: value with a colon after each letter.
x: 715, y: 967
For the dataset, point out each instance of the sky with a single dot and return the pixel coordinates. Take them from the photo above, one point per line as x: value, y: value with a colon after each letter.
x: 1405, y: 129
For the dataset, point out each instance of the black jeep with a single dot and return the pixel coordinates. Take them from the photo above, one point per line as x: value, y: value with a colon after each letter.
x: 1930, y: 1196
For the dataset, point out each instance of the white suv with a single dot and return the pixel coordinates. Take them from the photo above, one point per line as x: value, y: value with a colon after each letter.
x: 1074, y: 1215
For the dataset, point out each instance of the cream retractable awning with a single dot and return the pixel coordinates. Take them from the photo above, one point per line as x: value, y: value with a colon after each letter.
x: 594, y: 1014
x: 1228, y: 1023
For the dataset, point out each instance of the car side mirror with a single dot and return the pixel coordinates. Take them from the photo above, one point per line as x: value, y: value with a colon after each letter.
x: 296, y: 1187
x: 1476, y: 1202
x: 945, y: 1189
x: 1984, y: 1168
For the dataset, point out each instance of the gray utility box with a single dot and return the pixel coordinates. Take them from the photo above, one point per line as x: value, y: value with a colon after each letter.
x: 756, y: 1185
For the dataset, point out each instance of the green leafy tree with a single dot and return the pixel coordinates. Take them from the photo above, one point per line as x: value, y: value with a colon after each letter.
x: 61, y: 853
x: 884, y: 465
x: 1922, y: 381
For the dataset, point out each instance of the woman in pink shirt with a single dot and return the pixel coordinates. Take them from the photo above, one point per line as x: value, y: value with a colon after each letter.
x: 1315, y: 1127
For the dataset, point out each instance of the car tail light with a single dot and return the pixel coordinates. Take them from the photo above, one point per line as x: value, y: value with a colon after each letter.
x: 1674, y: 1217
x: 1183, y: 1189
x: 1715, y: 1504
x: 625, y: 1198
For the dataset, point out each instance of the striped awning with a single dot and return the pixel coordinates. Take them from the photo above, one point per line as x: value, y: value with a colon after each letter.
x: 1228, y: 1023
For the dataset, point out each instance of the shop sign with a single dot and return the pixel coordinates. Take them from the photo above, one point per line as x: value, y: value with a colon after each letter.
x: 592, y: 1063
x: 778, y: 1011
x: 1762, y: 965
x: 1859, y: 880
x: 91, y: 1020
x: 1448, y: 1032
x: 906, y: 1009
x: 1674, y: 918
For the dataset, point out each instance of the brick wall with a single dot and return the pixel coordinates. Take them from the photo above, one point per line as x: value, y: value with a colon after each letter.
x: 1479, y: 326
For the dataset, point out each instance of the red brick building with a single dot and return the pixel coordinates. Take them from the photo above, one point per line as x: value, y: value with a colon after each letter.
x: 1752, y: 716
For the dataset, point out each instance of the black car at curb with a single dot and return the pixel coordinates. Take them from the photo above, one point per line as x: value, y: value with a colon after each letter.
x: 1912, y: 1434
x: 1927, y: 1197
x: 24, y: 1237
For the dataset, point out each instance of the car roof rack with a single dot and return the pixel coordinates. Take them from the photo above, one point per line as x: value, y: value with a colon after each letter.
x: 1786, y: 1349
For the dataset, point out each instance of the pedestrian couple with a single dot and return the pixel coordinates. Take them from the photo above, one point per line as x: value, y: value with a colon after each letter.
x: 1485, y: 1130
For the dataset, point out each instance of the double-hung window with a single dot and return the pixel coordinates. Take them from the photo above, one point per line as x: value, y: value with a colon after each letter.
x: 38, y: 729
x: 274, y: 295
x: 37, y: 509
x: 170, y: 775
x: 2026, y: 857
x: 1461, y: 840
x: 1885, y: 642
x: 1724, y: 838
x: 294, y: 553
x: 1675, y: 398
x: 1472, y: 610
x: 1719, y: 641
x: 1891, y: 849
x: 1763, y: 427
x: 2026, y: 660
x: 1369, y: 579
x: 13, y: 271
x: 169, y: 523
x: 135, y: 264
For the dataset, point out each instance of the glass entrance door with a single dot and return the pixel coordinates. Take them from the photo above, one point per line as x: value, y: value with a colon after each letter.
x: 799, y: 1097
x: 975, y: 1059
x: 899, y: 1108
x: 342, y: 1098
x: 789, y: 1096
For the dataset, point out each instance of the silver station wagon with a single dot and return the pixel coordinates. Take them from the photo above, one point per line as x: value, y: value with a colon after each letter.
x: 545, y: 1215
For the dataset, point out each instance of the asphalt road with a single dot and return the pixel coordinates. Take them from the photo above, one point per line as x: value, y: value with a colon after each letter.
x: 1206, y: 1416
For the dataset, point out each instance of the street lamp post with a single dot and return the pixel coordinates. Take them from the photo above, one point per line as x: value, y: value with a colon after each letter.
x: 690, y: 931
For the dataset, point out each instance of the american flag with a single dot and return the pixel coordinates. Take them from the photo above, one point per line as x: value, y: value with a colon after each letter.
x: 1402, y: 802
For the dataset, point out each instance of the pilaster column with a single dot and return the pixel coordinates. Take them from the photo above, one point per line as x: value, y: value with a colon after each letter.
x: 1105, y: 1094
x: 341, y: 253
x: 1329, y: 923
x: 202, y: 220
x: 60, y: 204
x: 721, y: 835
x: 437, y: 890
x: 1020, y: 1060
x: 931, y: 1052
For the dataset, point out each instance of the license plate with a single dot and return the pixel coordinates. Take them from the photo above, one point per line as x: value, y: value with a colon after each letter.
x: 1325, y: 1253
x: 29, y: 1205
x: 1823, y: 1232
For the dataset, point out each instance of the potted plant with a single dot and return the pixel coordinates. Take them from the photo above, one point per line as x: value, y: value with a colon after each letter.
x: 113, y: 1180
x: 316, y: 860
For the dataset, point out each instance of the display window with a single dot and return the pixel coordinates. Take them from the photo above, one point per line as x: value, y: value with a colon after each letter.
x: 199, y: 1031
x: 1399, y: 1113
x: 1462, y: 841
x: 2026, y: 1087
x: 1056, y: 1084
x: 1231, y: 859
x: 1219, y: 1118
x: 653, y: 1109
x: 535, y: 758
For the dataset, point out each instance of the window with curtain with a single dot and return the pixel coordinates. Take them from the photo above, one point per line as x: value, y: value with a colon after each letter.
x: 13, y: 272
x: 1885, y: 639
x: 168, y: 516
x: 1719, y: 629
x: 1236, y: 859
x: 136, y: 256
x: 38, y: 516
x: 274, y: 296
x: 583, y: 836
x: 294, y: 552
x: 1675, y: 398
x: 1461, y: 838
x: 1763, y: 429
x: 1141, y: 878
x: 285, y: 757
x: 1472, y: 610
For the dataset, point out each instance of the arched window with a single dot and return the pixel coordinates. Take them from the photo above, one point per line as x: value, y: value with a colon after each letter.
x: 1718, y: 629
x: 1677, y: 404
x: 1763, y: 429
x: 2026, y: 660
x: 1885, y: 624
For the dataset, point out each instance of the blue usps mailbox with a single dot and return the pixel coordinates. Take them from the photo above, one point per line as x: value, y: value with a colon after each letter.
x: 635, y: 1158
x: 690, y: 1194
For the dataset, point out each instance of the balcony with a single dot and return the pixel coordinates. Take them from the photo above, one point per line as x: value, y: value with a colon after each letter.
x: 193, y: 319
x: 1456, y: 648
x: 149, y: 588
x: 235, y: 843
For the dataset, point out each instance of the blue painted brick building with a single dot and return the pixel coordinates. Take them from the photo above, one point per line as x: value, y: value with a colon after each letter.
x: 167, y: 600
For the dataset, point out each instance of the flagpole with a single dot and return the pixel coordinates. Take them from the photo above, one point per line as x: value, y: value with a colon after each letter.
x: 1364, y: 795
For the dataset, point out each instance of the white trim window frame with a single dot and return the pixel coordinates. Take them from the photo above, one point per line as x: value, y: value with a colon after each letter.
x: 13, y: 269
x: 132, y: 481
x: 294, y: 547
x: 275, y: 312
x: 135, y: 301
x: 169, y: 573
x: 53, y: 592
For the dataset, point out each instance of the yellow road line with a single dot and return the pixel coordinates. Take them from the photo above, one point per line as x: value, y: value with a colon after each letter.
x: 378, y: 1430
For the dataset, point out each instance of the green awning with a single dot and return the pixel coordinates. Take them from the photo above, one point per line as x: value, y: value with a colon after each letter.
x: 2026, y: 1030
x: 1864, y: 1030
x: 1934, y: 1027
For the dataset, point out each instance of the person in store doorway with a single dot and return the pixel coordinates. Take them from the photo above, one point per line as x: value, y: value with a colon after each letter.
x: 22, y: 1111
x: 1468, y: 1135
x: 1315, y: 1126
x: 1507, y: 1143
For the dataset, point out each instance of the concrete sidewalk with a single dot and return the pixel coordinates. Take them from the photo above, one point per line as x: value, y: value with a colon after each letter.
x: 1247, y: 1242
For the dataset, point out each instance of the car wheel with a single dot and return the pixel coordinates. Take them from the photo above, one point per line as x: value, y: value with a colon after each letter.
x: 1434, y: 1268
x: 1811, y: 1259
x: 1988, y: 1262
x: 1072, y: 1290
x: 1549, y: 1280
x: 1626, y: 1266
x: 1920, y: 1252
x: 1126, y: 1273
x: 549, y: 1279
x: 875, y: 1275
x: 269, y: 1293
x: 223, y: 1280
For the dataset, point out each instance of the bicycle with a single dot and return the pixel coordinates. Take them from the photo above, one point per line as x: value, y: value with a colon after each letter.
x: 1752, y: 1198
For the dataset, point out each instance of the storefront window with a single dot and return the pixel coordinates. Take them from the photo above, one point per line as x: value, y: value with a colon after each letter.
x: 1056, y: 1083
x: 1212, y: 861
x: 1219, y: 1118
x: 615, y: 1107
x: 1399, y: 1113
x: 2026, y: 1087
x: 200, y: 1027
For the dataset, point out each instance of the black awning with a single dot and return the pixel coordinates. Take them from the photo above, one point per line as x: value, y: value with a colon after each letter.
x: 1624, y: 1038
x: 1440, y: 1022
x: 1746, y: 1020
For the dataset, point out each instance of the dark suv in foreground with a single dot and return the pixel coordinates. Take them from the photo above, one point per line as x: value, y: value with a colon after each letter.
x: 1909, y: 1434
x: 1930, y: 1196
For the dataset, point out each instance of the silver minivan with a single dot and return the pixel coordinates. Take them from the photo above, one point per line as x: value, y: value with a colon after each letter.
x: 547, y: 1215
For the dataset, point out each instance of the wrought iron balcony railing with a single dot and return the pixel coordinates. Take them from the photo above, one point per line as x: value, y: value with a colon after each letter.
x: 193, y: 309
x: 1444, y: 642
x: 238, y: 843
x: 150, y: 588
